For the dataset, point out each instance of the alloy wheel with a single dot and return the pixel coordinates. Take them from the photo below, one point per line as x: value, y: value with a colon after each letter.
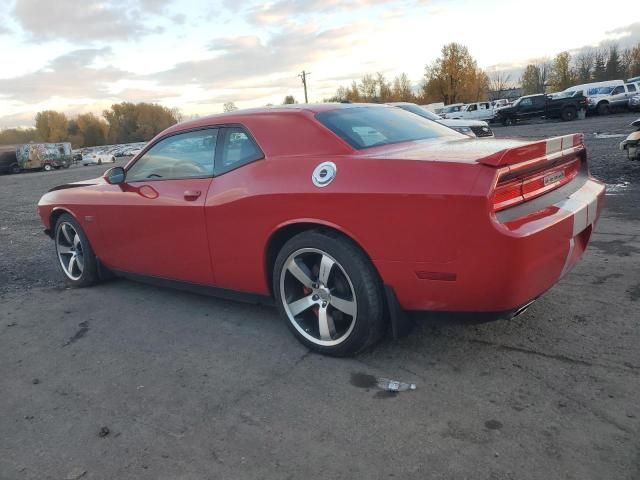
x: 318, y: 297
x: 69, y: 250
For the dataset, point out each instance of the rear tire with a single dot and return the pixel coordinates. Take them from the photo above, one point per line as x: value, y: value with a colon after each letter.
x: 74, y: 254
x: 15, y: 168
x: 568, y: 114
x: 508, y: 121
x: 47, y: 168
x: 603, y: 108
x: 329, y: 293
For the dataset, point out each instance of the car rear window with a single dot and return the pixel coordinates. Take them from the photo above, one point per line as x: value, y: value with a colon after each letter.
x: 364, y: 127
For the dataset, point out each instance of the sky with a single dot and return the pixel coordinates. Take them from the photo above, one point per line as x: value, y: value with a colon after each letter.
x: 83, y: 56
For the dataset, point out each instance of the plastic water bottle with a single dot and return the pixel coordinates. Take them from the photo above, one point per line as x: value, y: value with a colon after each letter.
x: 394, y: 385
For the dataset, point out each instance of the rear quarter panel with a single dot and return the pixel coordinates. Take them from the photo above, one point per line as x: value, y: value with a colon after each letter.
x: 396, y: 210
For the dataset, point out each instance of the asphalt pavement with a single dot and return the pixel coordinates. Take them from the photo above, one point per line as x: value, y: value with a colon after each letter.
x: 125, y: 380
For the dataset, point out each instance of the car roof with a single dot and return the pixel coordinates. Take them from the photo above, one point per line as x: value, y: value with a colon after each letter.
x: 237, y: 116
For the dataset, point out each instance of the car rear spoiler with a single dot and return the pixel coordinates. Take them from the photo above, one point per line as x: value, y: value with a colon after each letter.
x: 540, y: 151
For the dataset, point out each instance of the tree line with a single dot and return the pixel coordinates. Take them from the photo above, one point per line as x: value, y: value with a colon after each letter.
x: 455, y: 77
x: 122, y: 123
x: 594, y: 65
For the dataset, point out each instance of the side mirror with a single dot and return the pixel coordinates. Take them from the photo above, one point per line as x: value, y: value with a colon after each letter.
x: 114, y: 176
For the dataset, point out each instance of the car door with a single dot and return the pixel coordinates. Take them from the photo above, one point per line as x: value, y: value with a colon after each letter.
x: 228, y: 215
x: 618, y: 96
x: 153, y: 224
x: 485, y: 111
x: 471, y: 112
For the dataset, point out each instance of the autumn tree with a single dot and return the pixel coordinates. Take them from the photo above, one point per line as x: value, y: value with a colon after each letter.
x: 401, y: 90
x: 91, y: 129
x: 12, y: 136
x: 384, y: 88
x: 561, y: 75
x: 51, y: 126
x: 229, y: 107
x: 534, y: 79
x: 289, y: 100
x: 129, y: 122
x: 367, y: 88
x: 454, y: 77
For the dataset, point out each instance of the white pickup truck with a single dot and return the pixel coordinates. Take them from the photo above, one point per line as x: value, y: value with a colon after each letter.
x: 474, y: 111
x: 606, y: 99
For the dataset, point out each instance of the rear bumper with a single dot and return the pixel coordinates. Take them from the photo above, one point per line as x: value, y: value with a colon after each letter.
x: 503, y: 264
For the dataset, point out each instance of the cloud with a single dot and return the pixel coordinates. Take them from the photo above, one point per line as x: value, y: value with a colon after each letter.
x: 68, y: 76
x: 282, y: 10
x: 246, y: 58
x: 89, y: 20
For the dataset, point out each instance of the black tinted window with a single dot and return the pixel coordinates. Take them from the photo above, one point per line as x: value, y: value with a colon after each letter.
x: 631, y: 87
x: 238, y: 149
x: 185, y: 155
x: 363, y: 127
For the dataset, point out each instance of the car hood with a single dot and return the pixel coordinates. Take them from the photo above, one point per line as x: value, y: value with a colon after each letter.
x: 449, y: 122
x: 81, y: 183
x: 447, y: 149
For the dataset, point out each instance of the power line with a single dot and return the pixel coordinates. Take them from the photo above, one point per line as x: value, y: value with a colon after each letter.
x: 303, y: 76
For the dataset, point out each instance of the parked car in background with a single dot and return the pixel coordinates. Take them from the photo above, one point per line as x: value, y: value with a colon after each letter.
x: 632, y: 143
x: 563, y: 106
x: 473, y: 128
x: 501, y: 102
x: 8, y: 159
x: 46, y: 156
x: 294, y: 177
x: 610, y: 98
x: 450, y: 109
x: 97, y: 158
x: 474, y: 111
x: 634, y: 103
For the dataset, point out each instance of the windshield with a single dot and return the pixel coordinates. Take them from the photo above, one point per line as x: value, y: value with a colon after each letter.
x: 418, y: 110
x: 364, y: 127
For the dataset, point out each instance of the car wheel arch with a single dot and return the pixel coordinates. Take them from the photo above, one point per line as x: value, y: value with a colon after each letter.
x: 284, y: 232
x: 55, y: 214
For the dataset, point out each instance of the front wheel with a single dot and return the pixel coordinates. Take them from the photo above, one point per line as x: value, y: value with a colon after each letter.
x: 48, y: 168
x: 508, y: 121
x: 15, y: 168
x: 329, y: 293
x: 74, y: 253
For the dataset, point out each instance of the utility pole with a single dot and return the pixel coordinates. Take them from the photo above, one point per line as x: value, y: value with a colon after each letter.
x: 303, y: 76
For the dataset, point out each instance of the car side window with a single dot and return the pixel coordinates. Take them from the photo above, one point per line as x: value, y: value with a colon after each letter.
x: 631, y: 87
x: 618, y: 90
x: 185, y: 155
x: 525, y: 102
x: 473, y: 108
x: 237, y: 149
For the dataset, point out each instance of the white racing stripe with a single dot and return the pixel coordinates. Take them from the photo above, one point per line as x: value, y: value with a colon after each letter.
x: 567, y: 262
x: 583, y: 204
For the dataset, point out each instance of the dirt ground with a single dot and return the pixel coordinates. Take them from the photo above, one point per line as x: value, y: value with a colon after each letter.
x: 125, y: 380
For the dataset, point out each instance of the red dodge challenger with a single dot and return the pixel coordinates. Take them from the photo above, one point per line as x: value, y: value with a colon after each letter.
x: 345, y: 215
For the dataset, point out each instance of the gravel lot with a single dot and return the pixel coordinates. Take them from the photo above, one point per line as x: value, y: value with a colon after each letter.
x: 130, y: 381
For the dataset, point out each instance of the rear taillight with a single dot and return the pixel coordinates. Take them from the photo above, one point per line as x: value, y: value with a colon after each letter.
x: 515, y: 191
